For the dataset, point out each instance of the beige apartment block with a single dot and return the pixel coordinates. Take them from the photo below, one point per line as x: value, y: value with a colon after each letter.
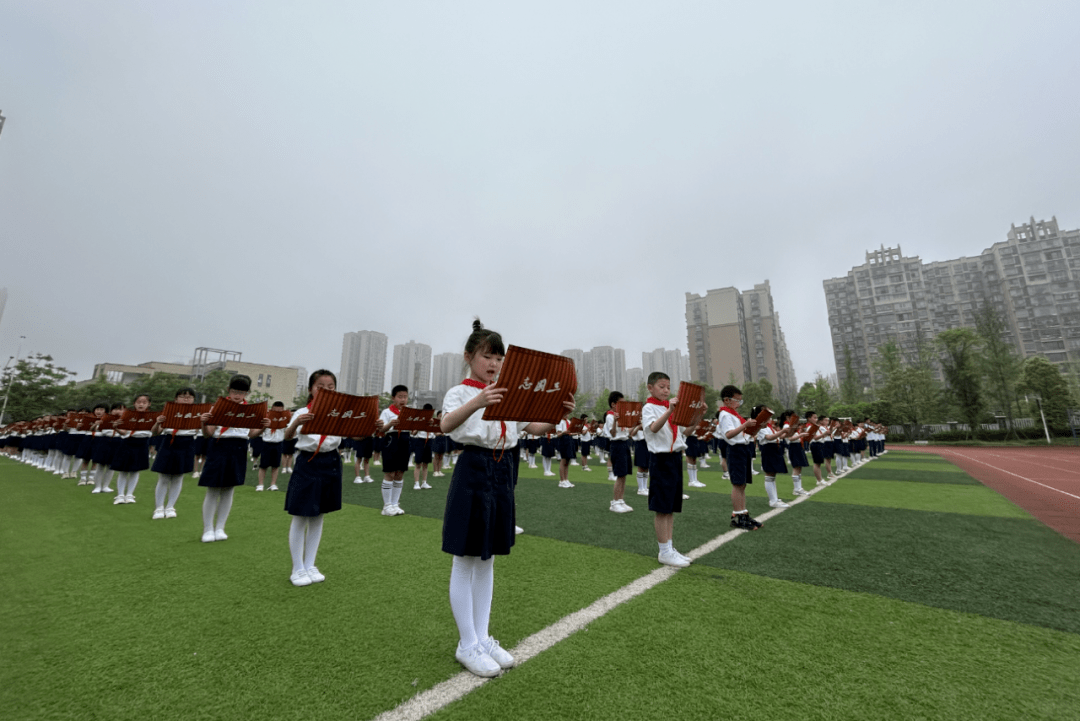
x: 733, y: 334
x: 278, y: 382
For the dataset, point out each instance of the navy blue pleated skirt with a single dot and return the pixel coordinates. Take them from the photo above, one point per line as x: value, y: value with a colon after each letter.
x: 796, y: 454
x: 176, y: 455
x: 226, y: 463
x: 132, y: 455
x: 315, y: 484
x: 480, y: 515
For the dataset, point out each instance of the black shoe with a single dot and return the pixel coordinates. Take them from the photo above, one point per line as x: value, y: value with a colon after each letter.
x: 751, y: 523
x: 736, y: 521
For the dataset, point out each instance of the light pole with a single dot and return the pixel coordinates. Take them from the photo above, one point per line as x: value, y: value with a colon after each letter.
x: 1038, y: 399
x: 7, y: 386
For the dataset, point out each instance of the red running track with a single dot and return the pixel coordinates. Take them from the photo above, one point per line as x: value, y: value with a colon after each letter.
x: 1045, y: 482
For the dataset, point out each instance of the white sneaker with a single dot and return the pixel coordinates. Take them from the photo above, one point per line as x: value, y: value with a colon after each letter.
x: 548, y: 473
x: 672, y: 558
x: 259, y: 488
x: 397, y: 510
x: 219, y: 535
x: 96, y: 490
x: 685, y: 497
x: 685, y: 558
x: 587, y: 468
x: 754, y: 472
x: 196, y: 474
x: 696, y: 484
x: 778, y: 504
x: 170, y: 513
x: 703, y: 464
x: 209, y: 537
x: 518, y: 530
x: 368, y: 479
x: 300, y: 578
x: 477, y: 662
x: 158, y: 513
x: 377, y: 463
x: 611, y: 477
x: 726, y: 476
x: 498, y: 654
x: 425, y: 486
x: 801, y: 492
x: 106, y: 490
x: 620, y: 507
x: 273, y: 487
x: 416, y: 486
x: 129, y: 498
x: 118, y: 500
x: 358, y: 479
x: 388, y: 511
x: 315, y: 576
x: 643, y: 493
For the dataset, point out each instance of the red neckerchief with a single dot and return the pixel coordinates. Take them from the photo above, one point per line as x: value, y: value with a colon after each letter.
x: 665, y: 404
x: 502, y: 424
x: 395, y: 410
x: 725, y: 409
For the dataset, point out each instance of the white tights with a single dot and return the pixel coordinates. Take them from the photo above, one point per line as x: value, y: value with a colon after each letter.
x: 472, y: 583
x: 168, y: 490
x: 304, y: 536
x: 126, y: 482
x: 218, y: 502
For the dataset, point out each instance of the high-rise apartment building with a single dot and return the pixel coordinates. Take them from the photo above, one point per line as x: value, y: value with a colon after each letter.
x: 446, y: 371
x: 301, y: 381
x: 672, y: 362
x: 634, y: 378
x: 1032, y: 279
x: 733, y: 334
x: 412, y: 366
x: 605, y: 368
x: 578, y: 356
x: 363, y: 363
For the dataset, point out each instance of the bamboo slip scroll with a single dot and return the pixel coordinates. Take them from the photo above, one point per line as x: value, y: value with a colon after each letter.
x: 536, y: 385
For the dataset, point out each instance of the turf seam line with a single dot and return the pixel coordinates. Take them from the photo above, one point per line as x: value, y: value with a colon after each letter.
x: 1023, y: 478
x: 446, y: 692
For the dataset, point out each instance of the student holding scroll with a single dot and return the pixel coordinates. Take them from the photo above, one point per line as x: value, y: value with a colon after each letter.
x: 226, y: 464
x: 619, y: 453
x: 769, y: 439
x: 270, y: 453
x: 732, y: 429
x: 641, y: 460
x: 479, y: 520
x: 564, y: 444
x: 796, y: 454
x: 666, y: 445
x: 176, y: 457
x: 421, y: 453
x: 315, y: 487
x: 396, y: 451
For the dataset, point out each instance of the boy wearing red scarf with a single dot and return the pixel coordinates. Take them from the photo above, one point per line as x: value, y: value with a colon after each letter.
x: 731, y: 429
x: 666, y: 444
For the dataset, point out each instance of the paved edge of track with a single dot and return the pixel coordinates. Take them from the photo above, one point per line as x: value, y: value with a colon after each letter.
x: 456, y: 687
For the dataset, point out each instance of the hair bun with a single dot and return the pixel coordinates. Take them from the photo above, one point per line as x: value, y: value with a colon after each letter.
x: 477, y: 325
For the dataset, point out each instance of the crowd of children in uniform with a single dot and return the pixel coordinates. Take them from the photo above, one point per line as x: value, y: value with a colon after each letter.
x: 480, y: 518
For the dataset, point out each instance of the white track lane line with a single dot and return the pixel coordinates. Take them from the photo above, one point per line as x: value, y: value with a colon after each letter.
x: 457, y: 687
x: 1023, y: 478
x: 1071, y: 471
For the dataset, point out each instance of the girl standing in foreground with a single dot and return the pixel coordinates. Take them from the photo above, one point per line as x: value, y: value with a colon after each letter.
x: 479, y: 519
x: 315, y: 487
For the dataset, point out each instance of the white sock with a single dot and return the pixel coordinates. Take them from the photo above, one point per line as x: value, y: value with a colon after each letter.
x: 209, y: 508
x: 693, y: 473
x: 798, y: 482
x: 312, y: 539
x: 160, y: 491
x: 483, y: 587
x: 387, y: 489
x: 297, y: 531
x: 133, y: 480
x: 461, y: 599
x: 641, y: 481
x: 770, y: 488
x: 224, y: 506
x: 108, y: 477
x: 665, y: 547
x: 395, y: 493
x: 176, y: 484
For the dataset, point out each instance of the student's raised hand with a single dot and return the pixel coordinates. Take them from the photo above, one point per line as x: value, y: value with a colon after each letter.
x: 569, y: 405
x: 265, y: 422
x: 490, y: 396
x: 205, y: 417
x: 160, y: 420
x: 672, y: 401
x: 302, y: 418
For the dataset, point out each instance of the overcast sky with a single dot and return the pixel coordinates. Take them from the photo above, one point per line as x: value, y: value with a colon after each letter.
x: 265, y: 177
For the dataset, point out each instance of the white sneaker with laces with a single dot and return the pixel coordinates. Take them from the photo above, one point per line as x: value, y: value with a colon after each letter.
x: 620, y: 507
x: 273, y: 487
x: 259, y: 488
x: 397, y: 510
x: 358, y: 479
x: 643, y: 493
x: 209, y: 537
x: 170, y: 513
x: 685, y: 558
x: 778, y: 504
x: 118, y: 500
x: 300, y: 578
x: 801, y: 492
x: 425, y: 485
x: 129, y: 498
x: 388, y: 511
x: 726, y: 476
x: 696, y: 484
x: 477, y: 662
x: 219, y: 535
x: 314, y: 575
x: 671, y: 558
x: 368, y: 479
x: 416, y: 486
x: 498, y: 654
x: 158, y: 513
x: 611, y: 477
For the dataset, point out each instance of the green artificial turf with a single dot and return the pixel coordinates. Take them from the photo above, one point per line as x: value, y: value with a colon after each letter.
x: 1008, y: 568
x: 948, y: 474
x: 938, y: 497
x: 107, y: 614
x: 728, y: 645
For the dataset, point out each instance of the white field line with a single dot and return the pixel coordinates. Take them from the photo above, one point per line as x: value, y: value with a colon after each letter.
x: 454, y: 688
x: 1017, y: 475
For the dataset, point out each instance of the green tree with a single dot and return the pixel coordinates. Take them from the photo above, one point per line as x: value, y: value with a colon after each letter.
x: 583, y: 402
x: 759, y: 393
x: 643, y: 391
x: 816, y: 397
x: 960, y: 349
x: 89, y: 394
x: 1000, y: 363
x: 601, y: 406
x: 161, y: 387
x: 213, y: 385
x: 33, y: 387
x: 1041, y: 378
x: 850, y: 388
x: 907, y: 384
